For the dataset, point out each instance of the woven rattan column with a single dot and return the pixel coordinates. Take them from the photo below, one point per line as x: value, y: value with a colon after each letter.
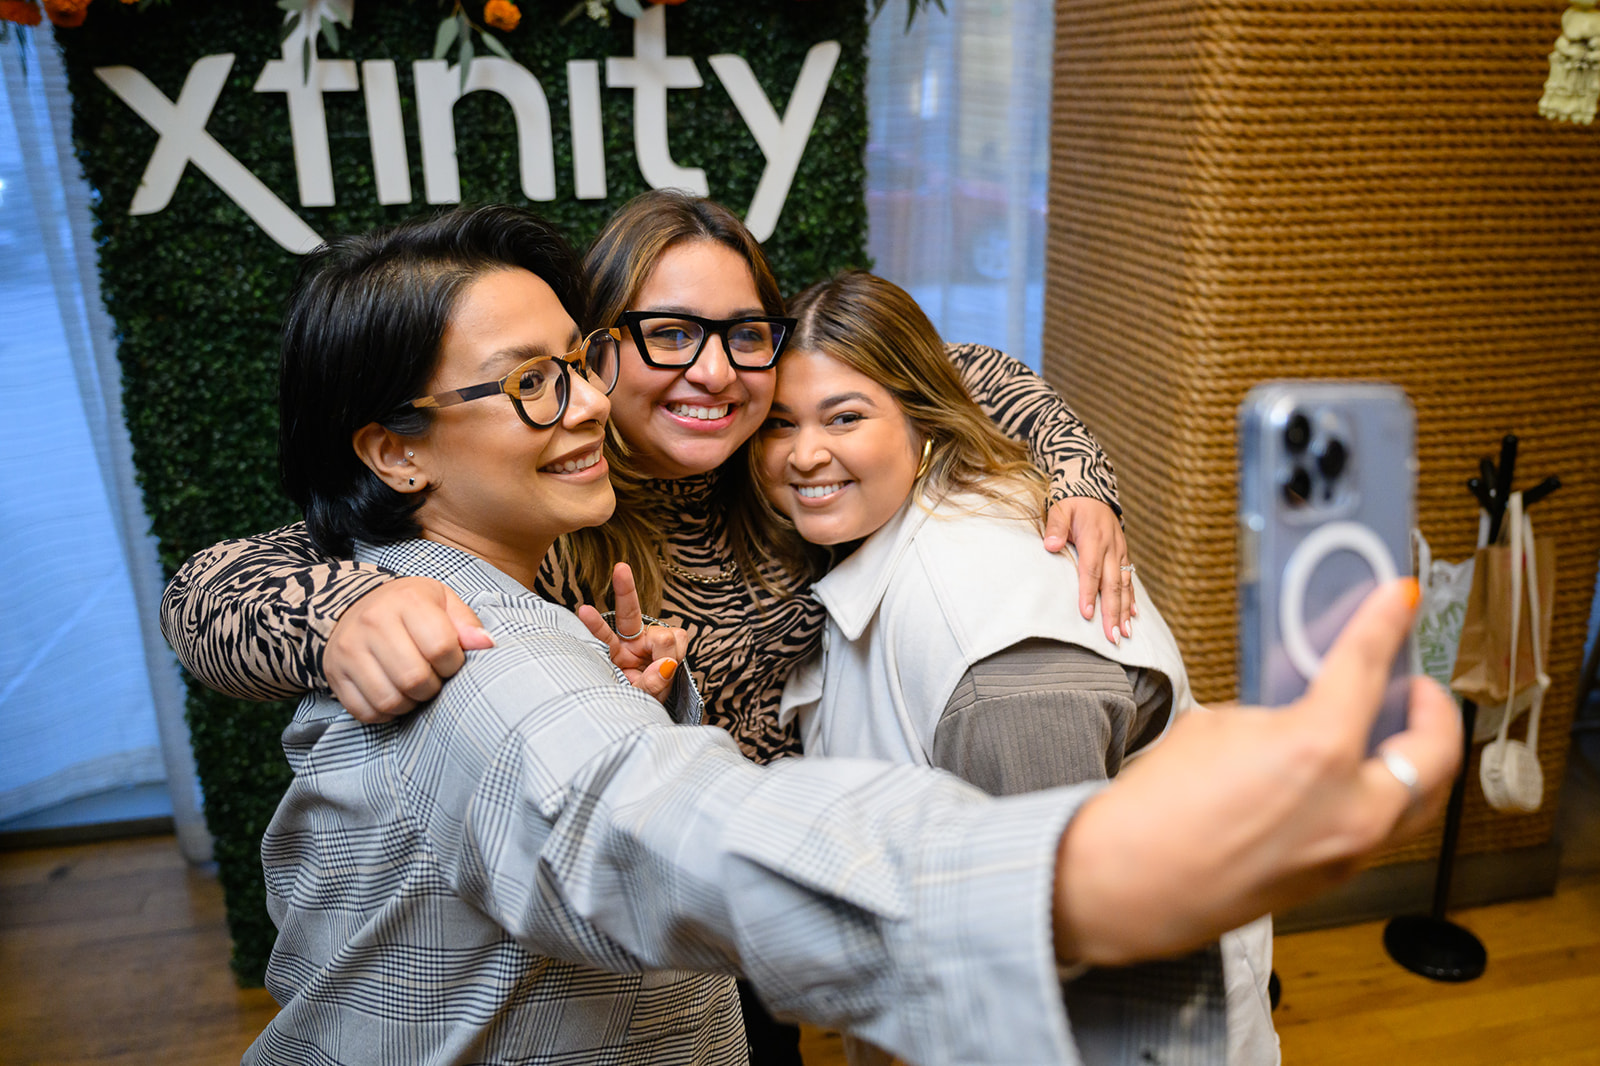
x: 1242, y: 191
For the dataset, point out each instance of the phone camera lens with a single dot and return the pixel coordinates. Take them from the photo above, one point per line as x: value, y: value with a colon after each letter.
x: 1331, y: 461
x: 1297, y: 489
x: 1297, y: 434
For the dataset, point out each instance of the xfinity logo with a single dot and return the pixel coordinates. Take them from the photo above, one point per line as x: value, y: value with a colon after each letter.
x: 649, y: 72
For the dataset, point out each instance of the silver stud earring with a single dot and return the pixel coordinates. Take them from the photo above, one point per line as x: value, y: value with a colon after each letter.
x: 411, y: 481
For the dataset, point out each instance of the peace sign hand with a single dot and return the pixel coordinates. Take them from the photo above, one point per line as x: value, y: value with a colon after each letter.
x: 646, y: 651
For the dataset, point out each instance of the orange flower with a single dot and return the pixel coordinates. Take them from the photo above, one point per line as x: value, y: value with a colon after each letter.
x: 66, y: 13
x: 502, y: 15
x: 23, y: 11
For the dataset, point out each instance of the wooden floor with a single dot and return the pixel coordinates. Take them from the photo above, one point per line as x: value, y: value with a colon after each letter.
x: 116, y: 953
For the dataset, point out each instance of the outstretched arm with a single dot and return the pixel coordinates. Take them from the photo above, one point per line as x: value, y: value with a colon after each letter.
x: 897, y: 904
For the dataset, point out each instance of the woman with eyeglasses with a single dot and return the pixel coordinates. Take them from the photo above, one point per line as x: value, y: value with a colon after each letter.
x: 701, y: 324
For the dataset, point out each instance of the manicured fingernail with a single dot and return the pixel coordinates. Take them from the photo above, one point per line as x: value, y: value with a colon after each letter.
x: 668, y: 668
x: 484, y: 633
x: 1413, y: 592
x: 1116, y: 638
x: 1127, y: 630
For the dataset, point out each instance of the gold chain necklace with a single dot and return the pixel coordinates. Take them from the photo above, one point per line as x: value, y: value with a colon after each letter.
x: 729, y: 572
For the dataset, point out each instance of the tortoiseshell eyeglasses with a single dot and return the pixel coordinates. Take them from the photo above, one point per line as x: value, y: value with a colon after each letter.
x: 539, y: 388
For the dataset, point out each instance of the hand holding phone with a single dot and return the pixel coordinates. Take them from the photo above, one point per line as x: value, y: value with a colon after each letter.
x: 1327, y: 480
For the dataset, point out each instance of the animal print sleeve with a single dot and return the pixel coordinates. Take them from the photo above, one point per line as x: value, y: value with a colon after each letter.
x: 1023, y: 405
x: 250, y: 617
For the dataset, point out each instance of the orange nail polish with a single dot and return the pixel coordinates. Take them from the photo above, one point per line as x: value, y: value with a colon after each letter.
x: 668, y: 668
x: 1413, y: 592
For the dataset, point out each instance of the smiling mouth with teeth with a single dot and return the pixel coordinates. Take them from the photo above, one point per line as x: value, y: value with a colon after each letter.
x: 572, y: 466
x: 816, y: 492
x: 704, y: 414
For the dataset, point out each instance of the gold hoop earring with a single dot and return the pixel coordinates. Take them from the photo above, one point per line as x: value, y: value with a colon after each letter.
x: 927, y: 458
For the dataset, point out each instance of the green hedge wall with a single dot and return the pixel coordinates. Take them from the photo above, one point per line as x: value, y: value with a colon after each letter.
x: 196, y: 290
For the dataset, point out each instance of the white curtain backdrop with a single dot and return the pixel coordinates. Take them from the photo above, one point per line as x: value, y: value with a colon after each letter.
x: 90, y: 698
x: 958, y: 157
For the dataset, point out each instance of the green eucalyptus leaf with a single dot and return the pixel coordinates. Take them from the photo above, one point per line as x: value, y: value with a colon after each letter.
x: 445, y: 37
x: 292, y: 5
x: 632, y: 8
x: 330, y: 33
x: 465, y: 57
x: 495, y: 46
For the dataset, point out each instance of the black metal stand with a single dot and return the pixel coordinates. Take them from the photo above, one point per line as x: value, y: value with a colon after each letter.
x: 1430, y: 944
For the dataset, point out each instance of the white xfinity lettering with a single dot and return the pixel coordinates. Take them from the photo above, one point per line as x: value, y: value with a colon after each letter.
x: 184, y: 140
x: 650, y: 73
x: 308, y: 122
x: 438, y: 88
x: 303, y: 78
x: 783, y: 141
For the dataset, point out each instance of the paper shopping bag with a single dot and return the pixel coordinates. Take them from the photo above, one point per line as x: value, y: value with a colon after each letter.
x: 1483, y: 658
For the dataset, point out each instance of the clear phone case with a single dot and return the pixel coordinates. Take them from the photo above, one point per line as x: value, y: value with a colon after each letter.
x: 1327, y: 483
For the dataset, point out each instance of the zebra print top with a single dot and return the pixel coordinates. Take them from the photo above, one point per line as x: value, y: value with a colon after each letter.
x: 250, y: 617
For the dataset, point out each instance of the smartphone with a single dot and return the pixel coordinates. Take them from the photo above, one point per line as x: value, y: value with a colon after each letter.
x: 1327, y: 489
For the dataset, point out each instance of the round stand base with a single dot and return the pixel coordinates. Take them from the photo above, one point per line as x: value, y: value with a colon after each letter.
x: 1434, y: 947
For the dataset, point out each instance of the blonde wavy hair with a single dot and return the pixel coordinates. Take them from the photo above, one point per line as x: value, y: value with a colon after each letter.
x: 617, y: 266
x: 874, y: 327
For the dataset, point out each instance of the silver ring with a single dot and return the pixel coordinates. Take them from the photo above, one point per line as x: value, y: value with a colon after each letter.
x: 1130, y: 568
x: 645, y: 622
x: 1403, y: 769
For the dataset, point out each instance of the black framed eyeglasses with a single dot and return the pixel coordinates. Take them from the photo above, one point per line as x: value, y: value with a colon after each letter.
x: 539, y: 388
x: 674, y: 341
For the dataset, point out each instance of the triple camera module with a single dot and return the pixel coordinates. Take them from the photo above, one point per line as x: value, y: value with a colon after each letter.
x: 1317, y: 456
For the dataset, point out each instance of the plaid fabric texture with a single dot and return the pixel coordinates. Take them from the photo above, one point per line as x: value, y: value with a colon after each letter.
x: 543, y: 866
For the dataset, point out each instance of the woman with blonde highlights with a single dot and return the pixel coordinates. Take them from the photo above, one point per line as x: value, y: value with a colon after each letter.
x: 950, y: 639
